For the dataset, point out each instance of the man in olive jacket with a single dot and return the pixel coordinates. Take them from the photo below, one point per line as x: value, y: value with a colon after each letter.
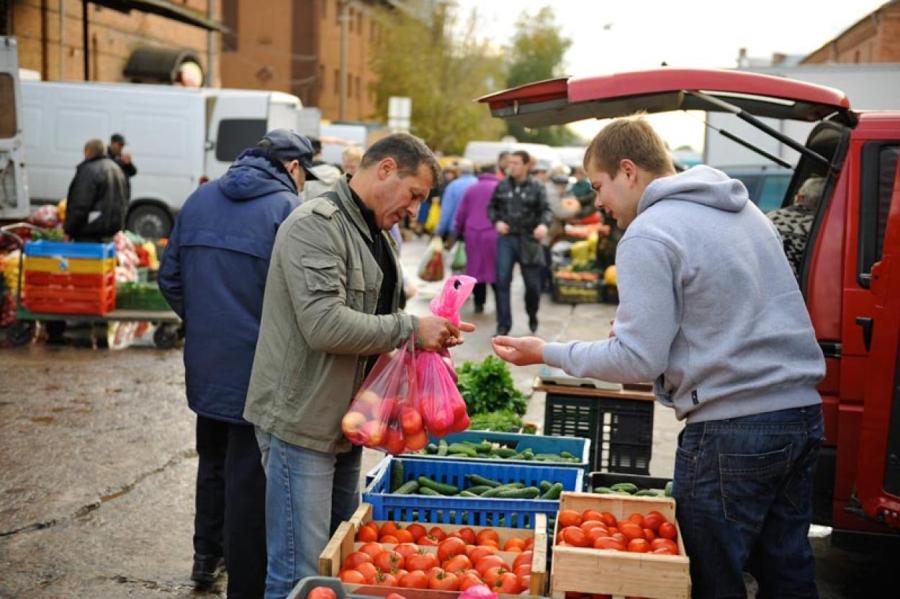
x: 330, y: 307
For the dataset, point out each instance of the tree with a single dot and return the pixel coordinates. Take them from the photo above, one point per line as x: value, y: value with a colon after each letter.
x: 537, y: 53
x: 441, y: 72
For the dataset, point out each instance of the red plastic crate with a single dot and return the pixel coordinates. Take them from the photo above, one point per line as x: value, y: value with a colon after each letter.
x: 70, y: 300
x: 50, y: 279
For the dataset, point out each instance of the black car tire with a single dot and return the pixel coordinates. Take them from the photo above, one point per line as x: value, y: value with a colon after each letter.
x: 150, y: 221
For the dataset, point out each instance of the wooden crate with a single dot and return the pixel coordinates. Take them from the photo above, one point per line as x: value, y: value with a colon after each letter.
x: 616, y: 572
x: 344, y: 542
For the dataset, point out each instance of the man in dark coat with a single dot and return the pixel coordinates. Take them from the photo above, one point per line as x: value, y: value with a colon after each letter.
x: 213, y: 275
x: 116, y: 151
x: 97, y: 199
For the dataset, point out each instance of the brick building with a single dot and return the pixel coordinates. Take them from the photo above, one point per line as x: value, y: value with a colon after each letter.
x: 54, y: 46
x: 873, y: 39
x: 295, y: 46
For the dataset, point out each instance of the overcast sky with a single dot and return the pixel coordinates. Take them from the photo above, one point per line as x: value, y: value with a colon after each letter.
x: 627, y: 35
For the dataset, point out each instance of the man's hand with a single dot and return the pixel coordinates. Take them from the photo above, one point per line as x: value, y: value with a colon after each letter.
x: 501, y: 227
x: 521, y: 351
x: 435, y: 333
x: 125, y: 157
x: 540, y: 231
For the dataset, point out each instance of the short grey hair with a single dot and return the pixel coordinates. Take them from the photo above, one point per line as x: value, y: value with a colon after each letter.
x: 95, y: 147
x: 407, y: 150
x: 810, y: 192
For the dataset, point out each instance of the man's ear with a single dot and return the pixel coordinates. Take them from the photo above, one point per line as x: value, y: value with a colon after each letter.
x: 386, y: 168
x: 629, y: 168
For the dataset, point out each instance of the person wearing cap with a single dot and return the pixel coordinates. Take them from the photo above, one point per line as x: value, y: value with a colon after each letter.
x: 213, y: 274
x: 116, y: 151
x: 331, y: 308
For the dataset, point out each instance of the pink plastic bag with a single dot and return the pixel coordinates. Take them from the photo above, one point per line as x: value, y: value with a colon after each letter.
x: 442, y: 407
x: 385, y: 413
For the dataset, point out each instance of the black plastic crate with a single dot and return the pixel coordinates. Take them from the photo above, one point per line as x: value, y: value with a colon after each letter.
x: 620, y: 430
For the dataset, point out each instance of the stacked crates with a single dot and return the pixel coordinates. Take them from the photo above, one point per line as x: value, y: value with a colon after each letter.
x: 69, y: 278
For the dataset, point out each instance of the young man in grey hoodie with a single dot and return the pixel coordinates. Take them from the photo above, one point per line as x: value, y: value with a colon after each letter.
x: 709, y: 309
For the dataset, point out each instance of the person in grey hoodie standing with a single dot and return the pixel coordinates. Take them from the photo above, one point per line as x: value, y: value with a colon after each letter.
x: 709, y: 309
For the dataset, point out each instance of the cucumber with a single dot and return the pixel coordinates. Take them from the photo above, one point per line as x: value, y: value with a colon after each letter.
x: 528, y: 454
x: 668, y: 490
x: 479, y: 489
x: 483, y: 447
x: 603, y: 490
x: 526, y: 493
x: 477, y: 479
x: 427, y: 491
x: 545, y: 486
x: 495, y: 491
x: 550, y: 457
x: 407, y: 488
x: 442, y: 488
x: 553, y: 492
x: 431, y: 449
x: 505, y: 452
x: 396, y: 475
x: 468, y: 493
x: 565, y: 454
x: 629, y: 488
x: 463, y: 449
x: 442, y: 448
x: 648, y: 493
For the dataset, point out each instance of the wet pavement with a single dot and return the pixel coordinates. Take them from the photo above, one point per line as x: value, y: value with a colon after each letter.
x: 98, y: 466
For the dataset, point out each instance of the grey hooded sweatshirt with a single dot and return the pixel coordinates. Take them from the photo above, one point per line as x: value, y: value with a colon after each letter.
x: 708, y: 307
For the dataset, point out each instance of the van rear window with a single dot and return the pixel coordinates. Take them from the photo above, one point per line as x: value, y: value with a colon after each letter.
x: 8, y: 101
x: 236, y: 135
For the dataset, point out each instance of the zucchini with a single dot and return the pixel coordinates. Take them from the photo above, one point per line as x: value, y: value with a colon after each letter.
x: 442, y: 448
x: 603, y: 490
x: 407, y: 488
x: 479, y: 489
x: 526, y: 493
x: 396, y: 475
x: 463, y: 448
x: 504, y: 452
x: 442, y: 488
x: 553, y: 492
x: 427, y: 491
x: 629, y: 488
x: 545, y: 486
x: 477, y: 479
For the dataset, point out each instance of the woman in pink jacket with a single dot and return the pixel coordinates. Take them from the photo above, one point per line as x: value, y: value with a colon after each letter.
x: 474, y: 227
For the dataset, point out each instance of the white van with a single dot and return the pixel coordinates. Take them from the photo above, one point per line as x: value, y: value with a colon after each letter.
x: 13, y: 184
x: 178, y: 137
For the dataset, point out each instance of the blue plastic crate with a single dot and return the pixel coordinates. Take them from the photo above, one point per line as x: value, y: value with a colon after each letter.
x: 472, y: 511
x: 577, y: 446
x: 371, y: 474
x: 52, y: 249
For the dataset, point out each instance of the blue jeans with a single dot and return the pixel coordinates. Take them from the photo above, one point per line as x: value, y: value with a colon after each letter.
x: 509, y: 251
x: 308, y: 494
x: 744, y: 493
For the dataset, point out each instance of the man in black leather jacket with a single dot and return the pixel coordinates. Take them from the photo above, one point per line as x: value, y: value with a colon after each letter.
x: 97, y: 198
x: 521, y: 215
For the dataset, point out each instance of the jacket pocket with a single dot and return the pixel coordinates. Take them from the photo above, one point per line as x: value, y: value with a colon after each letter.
x: 321, y: 274
x: 750, y: 482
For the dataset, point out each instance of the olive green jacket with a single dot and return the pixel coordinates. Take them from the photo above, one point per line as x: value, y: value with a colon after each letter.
x: 318, y: 323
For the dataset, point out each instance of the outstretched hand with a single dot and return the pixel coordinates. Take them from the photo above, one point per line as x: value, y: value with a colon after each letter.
x: 521, y: 351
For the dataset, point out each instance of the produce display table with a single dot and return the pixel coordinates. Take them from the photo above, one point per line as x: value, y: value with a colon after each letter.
x: 619, y: 423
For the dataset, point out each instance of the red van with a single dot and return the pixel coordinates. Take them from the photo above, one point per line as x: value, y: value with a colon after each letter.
x: 851, y: 270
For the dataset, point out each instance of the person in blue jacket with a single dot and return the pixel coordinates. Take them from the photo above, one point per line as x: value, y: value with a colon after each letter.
x: 213, y: 274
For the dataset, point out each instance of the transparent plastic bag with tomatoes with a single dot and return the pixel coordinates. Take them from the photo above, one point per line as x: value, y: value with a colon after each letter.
x: 384, y: 413
x: 442, y: 407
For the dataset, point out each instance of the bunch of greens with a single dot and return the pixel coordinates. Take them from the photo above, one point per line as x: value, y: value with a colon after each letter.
x: 488, y: 387
x: 504, y: 421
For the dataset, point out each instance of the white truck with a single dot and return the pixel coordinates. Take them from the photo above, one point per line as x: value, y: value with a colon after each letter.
x: 13, y: 183
x: 178, y: 137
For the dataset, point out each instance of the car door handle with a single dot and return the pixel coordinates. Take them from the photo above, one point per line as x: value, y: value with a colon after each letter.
x: 866, y: 323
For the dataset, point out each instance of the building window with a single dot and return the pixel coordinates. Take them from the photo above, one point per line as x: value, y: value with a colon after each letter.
x: 358, y: 87
x: 321, y: 82
x: 230, y: 20
x: 359, y: 22
x: 351, y: 18
x: 337, y: 81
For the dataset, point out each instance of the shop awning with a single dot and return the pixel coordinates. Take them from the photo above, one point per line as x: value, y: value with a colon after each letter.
x: 164, y: 9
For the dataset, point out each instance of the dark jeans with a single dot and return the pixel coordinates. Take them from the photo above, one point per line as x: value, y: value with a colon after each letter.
x: 744, y: 493
x: 508, y: 254
x: 230, y: 515
x: 479, y: 293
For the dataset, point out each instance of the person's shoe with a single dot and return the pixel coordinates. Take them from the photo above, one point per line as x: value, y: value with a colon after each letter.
x: 479, y: 308
x: 501, y: 332
x: 207, y: 569
x: 532, y: 324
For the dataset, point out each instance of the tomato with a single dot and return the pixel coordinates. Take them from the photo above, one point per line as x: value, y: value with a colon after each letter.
x: 352, y: 577
x: 428, y: 540
x: 507, y: 583
x: 417, y: 579
x: 488, y: 562
x: 568, y: 518
x: 469, y: 580
x: 608, y: 518
x: 372, y: 549
x: 449, y: 547
x: 595, y: 533
x: 389, y: 539
x: 652, y: 520
x: 321, y: 593
x: 590, y: 515
x: 438, y: 533
x: 668, y: 544
x: 389, y: 560
x: 487, y: 534
x: 514, y: 544
x: 368, y: 570
x: 368, y: 533
x: 491, y: 542
x: 406, y: 549
x: 404, y: 536
x: 638, y: 546
x: 529, y: 543
x: 356, y: 558
x: 522, y: 569
x: 480, y: 551
x: 637, y: 519
x: 522, y: 558
x: 421, y: 561
x: 394, y: 441
x: 667, y: 530
x: 385, y: 579
x: 468, y: 535
x: 575, y: 536
x: 664, y: 551
x: 395, y: 596
x: 457, y: 564
x: 417, y: 441
x: 649, y: 534
x: 609, y: 543
x: 525, y: 582
x: 410, y: 420
x: 418, y: 531
x: 620, y: 537
x: 492, y: 575
x: 443, y: 581
x: 631, y: 530
x: 388, y: 528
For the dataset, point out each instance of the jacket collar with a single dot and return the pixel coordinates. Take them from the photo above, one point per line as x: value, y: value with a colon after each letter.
x: 342, y: 188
